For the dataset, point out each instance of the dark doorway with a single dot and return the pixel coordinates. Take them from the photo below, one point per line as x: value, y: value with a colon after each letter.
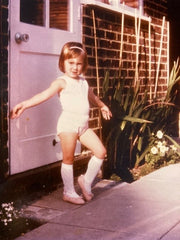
x: 174, y: 20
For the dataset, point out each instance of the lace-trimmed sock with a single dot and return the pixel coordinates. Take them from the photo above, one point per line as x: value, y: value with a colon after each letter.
x: 94, y: 166
x: 68, y: 180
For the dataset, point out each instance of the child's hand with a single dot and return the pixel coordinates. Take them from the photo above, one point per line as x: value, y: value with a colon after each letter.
x: 106, y: 112
x: 17, y: 110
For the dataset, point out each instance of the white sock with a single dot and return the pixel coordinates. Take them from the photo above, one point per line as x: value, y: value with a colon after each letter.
x: 68, y: 180
x: 94, y: 166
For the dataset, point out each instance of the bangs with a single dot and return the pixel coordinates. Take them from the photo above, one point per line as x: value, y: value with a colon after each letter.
x: 72, y: 50
x: 73, y: 53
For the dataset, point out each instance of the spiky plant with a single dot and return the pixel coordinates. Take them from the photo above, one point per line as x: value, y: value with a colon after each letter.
x: 134, y: 119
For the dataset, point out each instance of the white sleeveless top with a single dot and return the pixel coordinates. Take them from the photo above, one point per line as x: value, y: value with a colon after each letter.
x: 74, y: 97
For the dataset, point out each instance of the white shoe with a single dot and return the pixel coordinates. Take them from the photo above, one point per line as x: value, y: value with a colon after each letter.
x: 87, y: 196
x: 74, y: 200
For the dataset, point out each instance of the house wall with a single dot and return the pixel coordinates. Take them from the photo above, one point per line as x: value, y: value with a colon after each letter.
x: 108, y: 39
x: 3, y: 89
x: 108, y: 26
x: 131, y: 3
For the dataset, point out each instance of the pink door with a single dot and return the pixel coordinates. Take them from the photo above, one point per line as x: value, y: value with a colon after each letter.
x: 38, y: 29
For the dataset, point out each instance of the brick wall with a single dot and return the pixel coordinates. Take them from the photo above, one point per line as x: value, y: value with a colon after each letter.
x: 108, y: 34
x: 3, y: 89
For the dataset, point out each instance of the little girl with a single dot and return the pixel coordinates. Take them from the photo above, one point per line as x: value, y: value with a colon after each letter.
x: 74, y: 96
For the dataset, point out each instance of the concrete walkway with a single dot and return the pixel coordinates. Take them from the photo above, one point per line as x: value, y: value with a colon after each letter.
x: 148, y: 209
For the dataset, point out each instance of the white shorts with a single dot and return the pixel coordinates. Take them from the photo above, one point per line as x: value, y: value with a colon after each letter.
x: 70, y: 122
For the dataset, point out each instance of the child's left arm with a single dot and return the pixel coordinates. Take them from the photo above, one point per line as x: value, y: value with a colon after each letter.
x: 106, y: 113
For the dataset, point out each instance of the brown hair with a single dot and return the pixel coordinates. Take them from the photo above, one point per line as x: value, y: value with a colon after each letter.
x: 72, y: 50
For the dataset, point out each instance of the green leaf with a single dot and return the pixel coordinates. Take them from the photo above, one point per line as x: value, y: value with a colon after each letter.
x: 135, y: 119
x: 105, y: 85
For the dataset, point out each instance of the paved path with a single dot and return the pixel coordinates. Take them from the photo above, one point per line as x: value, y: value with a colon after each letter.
x: 148, y: 209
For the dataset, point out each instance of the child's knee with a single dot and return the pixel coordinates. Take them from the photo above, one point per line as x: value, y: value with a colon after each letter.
x: 68, y: 159
x: 102, y: 153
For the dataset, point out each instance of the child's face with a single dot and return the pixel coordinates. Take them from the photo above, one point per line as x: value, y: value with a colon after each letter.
x: 73, y: 66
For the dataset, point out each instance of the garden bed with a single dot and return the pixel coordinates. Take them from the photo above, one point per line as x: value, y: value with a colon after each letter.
x: 17, y: 227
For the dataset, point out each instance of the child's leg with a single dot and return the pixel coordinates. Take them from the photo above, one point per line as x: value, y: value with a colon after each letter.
x: 68, y: 180
x: 94, y: 166
x: 68, y: 144
x: 92, y: 141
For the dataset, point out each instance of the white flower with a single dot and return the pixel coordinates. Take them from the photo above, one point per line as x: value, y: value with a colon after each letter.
x: 159, y: 144
x: 173, y: 147
x: 159, y: 134
x: 7, y: 213
x: 4, y: 205
x: 154, y: 150
x: 163, y: 150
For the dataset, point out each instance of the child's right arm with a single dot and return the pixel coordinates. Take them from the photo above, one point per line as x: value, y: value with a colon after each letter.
x: 55, y: 87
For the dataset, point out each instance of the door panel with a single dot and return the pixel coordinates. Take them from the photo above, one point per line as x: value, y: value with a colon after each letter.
x: 33, y: 66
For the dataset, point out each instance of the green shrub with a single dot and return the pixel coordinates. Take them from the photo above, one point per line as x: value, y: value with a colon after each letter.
x: 128, y: 135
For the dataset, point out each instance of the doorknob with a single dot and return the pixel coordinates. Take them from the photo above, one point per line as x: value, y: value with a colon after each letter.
x: 21, y: 37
